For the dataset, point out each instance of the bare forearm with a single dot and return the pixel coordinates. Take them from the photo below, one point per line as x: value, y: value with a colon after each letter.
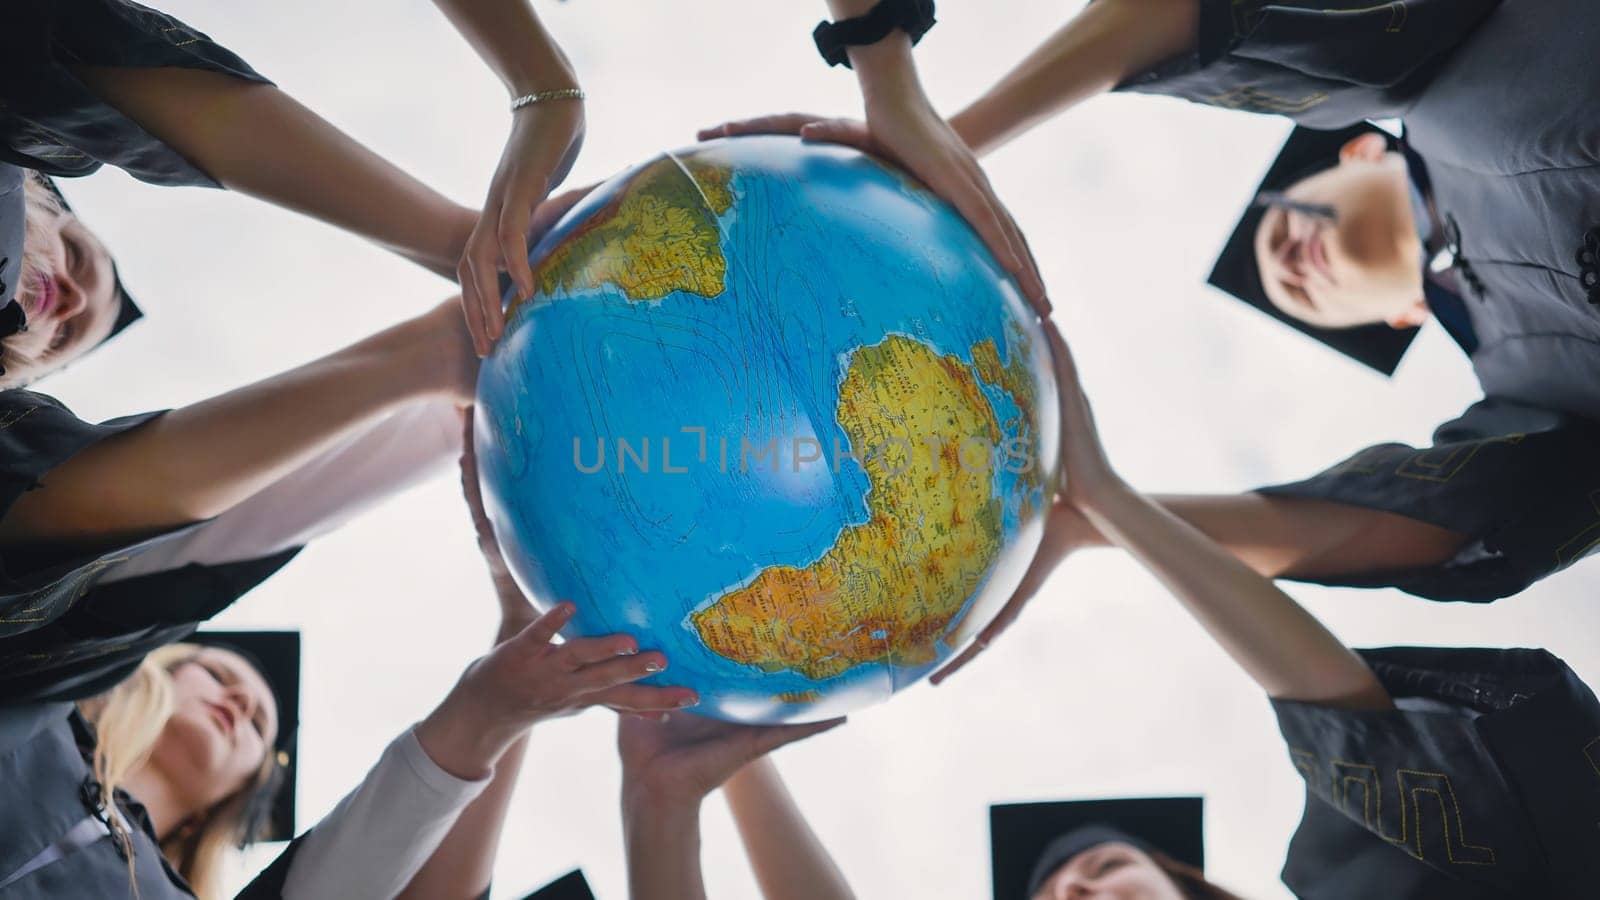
x: 198, y: 461
x: 1281, y: 645
x: 509, y: 37
x: 885, y: 71
x: 1304, y: 538
x: 789, y: 861
x: 663, y: 847
x: 464, y: 737
x: 257, y: 140
x: 1107, y: 42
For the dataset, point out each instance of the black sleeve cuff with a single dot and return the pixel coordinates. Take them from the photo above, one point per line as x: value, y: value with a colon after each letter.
x: 1520, y: 482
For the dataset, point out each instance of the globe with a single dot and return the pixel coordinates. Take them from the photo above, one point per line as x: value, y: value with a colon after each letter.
x: 775, y: 411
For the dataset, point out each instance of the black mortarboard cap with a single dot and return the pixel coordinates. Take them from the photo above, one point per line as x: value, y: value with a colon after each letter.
x: 1306, y: 152
x: 1029, y: 841
x: 276, y: 655
x: 128, y: 312
x: 571, y: 886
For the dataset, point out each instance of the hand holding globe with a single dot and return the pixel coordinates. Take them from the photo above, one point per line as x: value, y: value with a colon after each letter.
x: 774, y: 411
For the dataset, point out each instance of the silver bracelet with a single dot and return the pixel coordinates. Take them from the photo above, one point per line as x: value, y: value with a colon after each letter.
x: 542, y: 96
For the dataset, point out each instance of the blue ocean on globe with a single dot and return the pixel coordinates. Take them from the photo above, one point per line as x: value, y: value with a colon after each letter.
x: 776, y: 412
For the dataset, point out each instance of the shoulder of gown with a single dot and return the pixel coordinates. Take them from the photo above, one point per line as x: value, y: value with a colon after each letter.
x: 1326, y: 64
x: 52, y: 122
x: 1483, y: 782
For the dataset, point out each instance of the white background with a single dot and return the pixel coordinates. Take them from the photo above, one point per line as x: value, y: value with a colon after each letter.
x: 1104, y: 689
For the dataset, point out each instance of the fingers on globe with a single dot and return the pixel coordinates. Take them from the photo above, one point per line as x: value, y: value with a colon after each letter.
x: 616, y: 672
x: 544, y: 629
x: 478, y: 288
x: 512, y: 233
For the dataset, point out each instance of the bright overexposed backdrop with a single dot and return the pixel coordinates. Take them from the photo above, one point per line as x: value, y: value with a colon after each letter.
x: 1104, y: 689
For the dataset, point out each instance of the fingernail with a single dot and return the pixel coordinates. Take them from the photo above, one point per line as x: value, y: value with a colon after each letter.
x: 653, y: 666
x: 688, y: 701
x: 628, y: 650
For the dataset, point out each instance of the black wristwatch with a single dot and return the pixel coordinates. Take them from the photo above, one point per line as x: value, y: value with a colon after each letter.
x: 834, y: 39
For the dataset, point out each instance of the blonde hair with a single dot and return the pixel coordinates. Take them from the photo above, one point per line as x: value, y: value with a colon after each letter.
x: 128, y: 721
x: 41, y: 209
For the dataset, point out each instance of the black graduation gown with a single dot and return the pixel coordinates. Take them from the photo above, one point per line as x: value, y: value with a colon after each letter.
x: 1501, y: 106
x: 51, y: 122
x: 47, y: 787
x: 1491, y: 791
x: 61, y: 635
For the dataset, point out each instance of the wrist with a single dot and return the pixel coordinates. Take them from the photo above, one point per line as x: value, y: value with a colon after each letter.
x: 440, y: 355
x: 648, y: 806
x: 413, y: 349
x: 886, y: 70
x: 463, y: 737
x: 547, y: 70
x: 1107, y: 498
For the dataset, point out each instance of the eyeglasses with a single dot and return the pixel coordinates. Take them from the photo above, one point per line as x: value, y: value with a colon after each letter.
x: 1282, y: 201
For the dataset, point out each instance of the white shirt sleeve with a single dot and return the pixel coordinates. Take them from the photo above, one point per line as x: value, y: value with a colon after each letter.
x: 380, y: 834
x: 400, y: 450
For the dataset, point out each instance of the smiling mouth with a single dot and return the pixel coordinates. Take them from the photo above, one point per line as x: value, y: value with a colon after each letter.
x: 44, y: 297
x: 222, y: 717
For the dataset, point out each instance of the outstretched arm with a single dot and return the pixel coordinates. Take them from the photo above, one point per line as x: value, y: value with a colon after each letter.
x: 1281, y: 645
x: 1274, y: 536
x: 463, y: 866
x: 1108, y: 41
x: 545, y: 138
x: 669, y: 765
x: 196, y: 462
x: 1294, y: 537
x: 790, y: 863
x: 902, y: 125
x: 383, y: 833
x: 257, y: 140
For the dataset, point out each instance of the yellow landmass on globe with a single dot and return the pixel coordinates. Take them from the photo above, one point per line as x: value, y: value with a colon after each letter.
x: 1016, y: 380
x: 797, y: 696
x: 657, y: 236
x: 713, y: 181
x: 890, y: 587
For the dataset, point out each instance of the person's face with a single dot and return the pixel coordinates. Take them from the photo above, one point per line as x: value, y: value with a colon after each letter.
x: 1109, y: 871
x: 1363, y: 267
x: 70, y: 308
x: 223, y: 724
